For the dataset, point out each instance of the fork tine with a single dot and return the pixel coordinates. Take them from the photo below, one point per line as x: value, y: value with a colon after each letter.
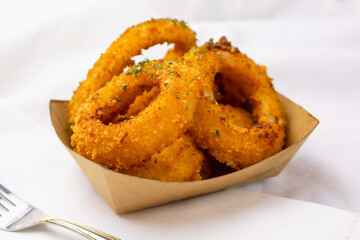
x: 3, y: 206
x: 5, y: 203
x: 4, y: 192
x: 7, y: 198
x: 16, y: 214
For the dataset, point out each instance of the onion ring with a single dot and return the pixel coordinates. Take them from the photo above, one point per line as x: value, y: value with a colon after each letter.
x: 235, y: 117
x: 140, y: 103
x: 129, y: 143
x: 181, y: 161
x: 238, y: 147
x: 118, y: 56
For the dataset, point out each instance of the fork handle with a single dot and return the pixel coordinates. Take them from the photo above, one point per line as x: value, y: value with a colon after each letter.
x: 75, y: 227
x: 68, y: 226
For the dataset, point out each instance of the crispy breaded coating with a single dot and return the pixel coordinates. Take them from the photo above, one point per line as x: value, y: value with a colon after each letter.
x: 181, y: 161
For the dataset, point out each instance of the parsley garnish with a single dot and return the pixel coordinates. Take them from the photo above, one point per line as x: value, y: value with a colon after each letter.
x: 138, y: 68
x: 173, y: 71
x: 175, y: 94
x: 183, y: 23
x: 124, y: 86
x: 217, y: 133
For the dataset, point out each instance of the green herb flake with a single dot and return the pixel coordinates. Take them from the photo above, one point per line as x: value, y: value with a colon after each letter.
x: 175, y: 94
x: 186, y: 107
x: 173, y: 71
x: 187, y: 94
x: 118, y: 99
x: 183, y: 23
x: 138, y: 68
x: 160, y: 66
x: 124, y: 86
x: 217, y: 133
x: 137, y: 71
x: 185, y: 80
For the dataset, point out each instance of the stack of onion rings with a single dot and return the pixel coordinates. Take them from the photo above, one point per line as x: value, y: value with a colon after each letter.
x: 118, y: 56
x: 156, y: 119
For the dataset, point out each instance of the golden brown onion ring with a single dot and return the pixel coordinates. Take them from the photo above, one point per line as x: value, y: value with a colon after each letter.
x: 238, y: 147
x: 130, y: 43
x: 235, y: 117
x: 129, y: 143
x: 181, y: 161
x: 139, y: 104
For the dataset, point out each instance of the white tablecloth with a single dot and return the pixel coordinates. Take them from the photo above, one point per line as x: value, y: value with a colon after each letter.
x: 312, y: 52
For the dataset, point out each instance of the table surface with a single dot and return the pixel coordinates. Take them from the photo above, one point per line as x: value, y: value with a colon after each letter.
x: 314, y: 61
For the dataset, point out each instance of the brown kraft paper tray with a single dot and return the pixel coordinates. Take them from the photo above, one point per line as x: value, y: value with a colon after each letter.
x: 126, y: 193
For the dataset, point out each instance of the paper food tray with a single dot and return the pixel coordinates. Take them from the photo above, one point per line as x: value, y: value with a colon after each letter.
x: 126, y: 193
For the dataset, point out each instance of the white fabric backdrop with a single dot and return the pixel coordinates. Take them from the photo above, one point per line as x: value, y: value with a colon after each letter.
x: 311, y: 49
